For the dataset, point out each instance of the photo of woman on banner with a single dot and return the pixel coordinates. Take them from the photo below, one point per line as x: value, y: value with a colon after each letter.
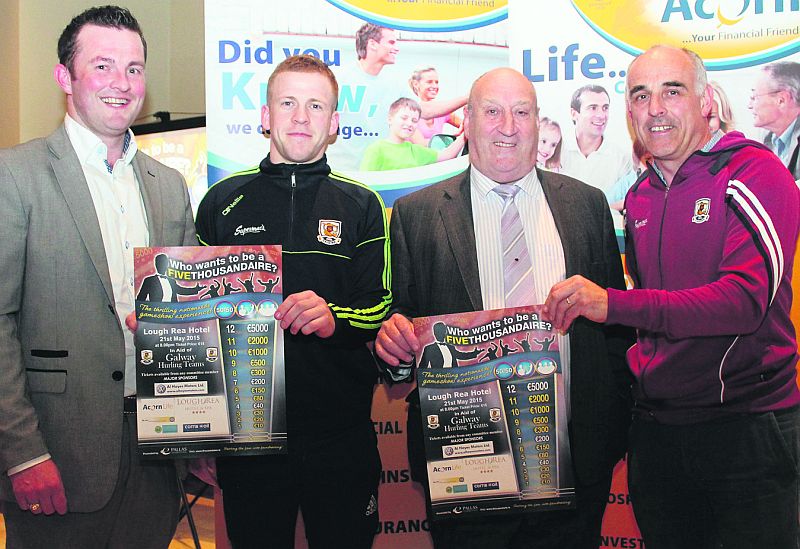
x: 424, y: 83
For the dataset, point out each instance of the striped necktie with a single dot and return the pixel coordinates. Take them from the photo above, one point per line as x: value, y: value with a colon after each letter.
x: 517, y: 266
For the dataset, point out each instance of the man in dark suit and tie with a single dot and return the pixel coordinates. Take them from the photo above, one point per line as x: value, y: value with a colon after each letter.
x: 160, y: 287
x: 448, y: 253
x: 72, y: 208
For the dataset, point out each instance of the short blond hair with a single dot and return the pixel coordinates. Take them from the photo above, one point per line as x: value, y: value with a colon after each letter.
x: 307, y: 64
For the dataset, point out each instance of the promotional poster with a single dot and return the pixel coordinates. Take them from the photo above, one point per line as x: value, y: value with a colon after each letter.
x: 209, y: 353
x: 491, y: 390
x: 183, y: 150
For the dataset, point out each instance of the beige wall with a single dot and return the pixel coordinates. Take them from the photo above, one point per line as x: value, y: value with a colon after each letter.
x: 9, y: 84
x: 187, y: 91
x: 29, y: 32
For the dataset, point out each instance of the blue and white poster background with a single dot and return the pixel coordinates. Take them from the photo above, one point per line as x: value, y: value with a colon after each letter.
x: 245, y: 40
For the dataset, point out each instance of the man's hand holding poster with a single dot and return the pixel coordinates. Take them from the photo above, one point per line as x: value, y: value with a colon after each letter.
x: 491, y: 390
x: 209, y: 354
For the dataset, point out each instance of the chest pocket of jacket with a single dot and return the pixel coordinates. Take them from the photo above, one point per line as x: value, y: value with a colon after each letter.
x: 46, y: 381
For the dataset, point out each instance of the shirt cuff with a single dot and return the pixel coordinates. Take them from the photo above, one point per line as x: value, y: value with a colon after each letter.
x: 28, y: 464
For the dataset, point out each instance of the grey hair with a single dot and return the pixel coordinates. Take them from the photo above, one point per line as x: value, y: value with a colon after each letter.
x: 786, y: 76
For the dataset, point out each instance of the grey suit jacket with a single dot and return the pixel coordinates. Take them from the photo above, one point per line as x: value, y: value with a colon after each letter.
x: 435, y: 271
x: 62, y: 353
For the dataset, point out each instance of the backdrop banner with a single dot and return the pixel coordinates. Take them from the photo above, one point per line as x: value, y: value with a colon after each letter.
x: 437, y: 49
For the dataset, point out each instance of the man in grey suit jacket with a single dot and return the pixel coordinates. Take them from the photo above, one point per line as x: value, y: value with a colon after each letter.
x: 437, y: 239
x: 72, y: 206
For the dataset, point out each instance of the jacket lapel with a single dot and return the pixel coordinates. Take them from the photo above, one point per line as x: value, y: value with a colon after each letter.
x: 456, y: 213
x: 70, y: 178
x: 561, y: 208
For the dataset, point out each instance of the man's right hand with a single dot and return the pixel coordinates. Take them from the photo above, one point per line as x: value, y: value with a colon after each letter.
x: 396, y: 341
x: 39, y: 489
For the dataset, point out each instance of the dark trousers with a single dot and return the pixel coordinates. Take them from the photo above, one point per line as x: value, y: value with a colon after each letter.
x: 729, y: 483
x: 142, y: 512
x: 332, y: 478
x: 577, y: 528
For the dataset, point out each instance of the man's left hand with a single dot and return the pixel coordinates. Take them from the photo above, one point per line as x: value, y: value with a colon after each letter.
x: 306, y: 312
x: 574, y: 297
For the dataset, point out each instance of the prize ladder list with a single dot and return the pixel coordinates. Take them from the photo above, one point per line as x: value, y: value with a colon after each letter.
x: 248, y: 349
x: 531, y: 415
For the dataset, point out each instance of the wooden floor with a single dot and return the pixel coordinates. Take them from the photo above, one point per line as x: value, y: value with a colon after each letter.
x: 203, y: 512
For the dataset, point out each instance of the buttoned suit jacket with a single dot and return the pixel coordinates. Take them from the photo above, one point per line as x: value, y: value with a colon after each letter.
x: 62, y: 352
x: 435, y: 271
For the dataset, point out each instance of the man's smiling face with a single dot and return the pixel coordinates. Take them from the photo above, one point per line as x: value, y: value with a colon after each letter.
x: 106, y: 86
x: 501, y: 125
x: 301, y: 116
x: 668, y: 113
x: 592, y: 119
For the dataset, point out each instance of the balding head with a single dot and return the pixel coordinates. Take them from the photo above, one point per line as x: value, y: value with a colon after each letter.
x: 501, y: 125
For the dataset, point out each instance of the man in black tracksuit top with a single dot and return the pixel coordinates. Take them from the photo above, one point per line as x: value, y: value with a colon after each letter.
x: 336, y: 283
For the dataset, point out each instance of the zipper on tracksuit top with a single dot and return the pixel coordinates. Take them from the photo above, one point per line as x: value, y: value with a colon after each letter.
x: 291, y: 210
x: 660, y: 271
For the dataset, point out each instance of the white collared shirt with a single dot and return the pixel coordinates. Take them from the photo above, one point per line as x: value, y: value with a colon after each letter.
x: 120, y: 212
x: 541, y: 236
x: 601, y: 169
x: 447, y: 356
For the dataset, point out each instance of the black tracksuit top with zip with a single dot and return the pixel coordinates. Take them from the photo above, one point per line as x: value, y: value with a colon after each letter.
x: 335, y: 239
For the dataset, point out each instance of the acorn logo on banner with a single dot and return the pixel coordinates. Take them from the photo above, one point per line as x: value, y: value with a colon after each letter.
x: 431, y: 16
x: 727, y: 34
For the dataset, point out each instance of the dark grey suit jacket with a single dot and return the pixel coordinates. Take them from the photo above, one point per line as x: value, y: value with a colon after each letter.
x: 435, y: 271
x: 62, y: 352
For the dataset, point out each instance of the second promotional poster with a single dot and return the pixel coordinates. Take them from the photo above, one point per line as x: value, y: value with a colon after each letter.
x: 491, y: 390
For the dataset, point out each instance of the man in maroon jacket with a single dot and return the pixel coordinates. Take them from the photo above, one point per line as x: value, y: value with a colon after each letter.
x: 712, y: 228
